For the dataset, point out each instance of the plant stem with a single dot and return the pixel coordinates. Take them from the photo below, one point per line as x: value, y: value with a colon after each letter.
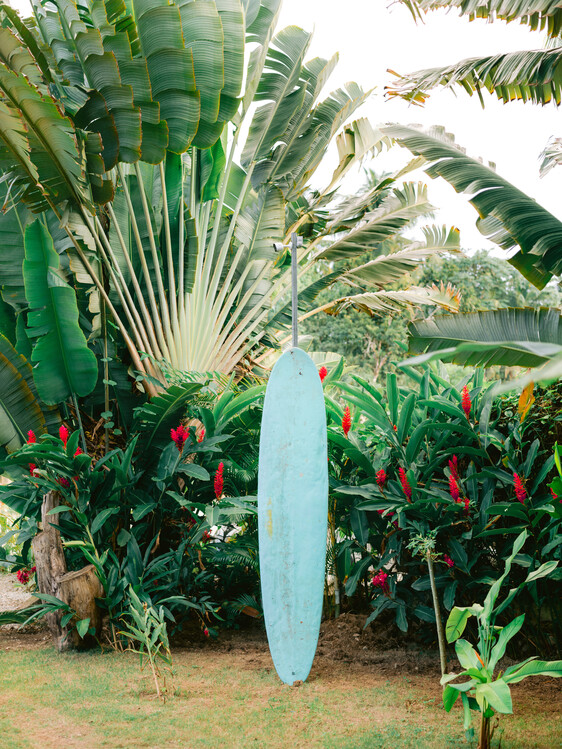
x: 79, y: 420
x: 484, y: 738
x: 438, y: 622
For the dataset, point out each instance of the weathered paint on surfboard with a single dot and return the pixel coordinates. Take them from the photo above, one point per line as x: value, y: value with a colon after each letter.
x: 292, y: 512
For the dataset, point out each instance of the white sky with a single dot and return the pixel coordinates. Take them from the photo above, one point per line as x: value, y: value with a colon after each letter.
x: 370, y: 38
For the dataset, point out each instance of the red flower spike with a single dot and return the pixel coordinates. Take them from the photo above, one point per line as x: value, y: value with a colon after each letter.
x: 406, y: 488
x: 379, y: 581
x: 32, y: 468
x: 395, y: 427
x: 206, y: 632
x: 31, y: 438
x: 520, y: 491
x: 78, y: 451
x: 219, y: 481
x: 63, y: 434
x: 63, y: 482
x: 201, y: 435
x: 454, y: 488
x: 554, y: 496
x: 466, y: 402
x: 179, y: 436
x: 448, y: 561
x: 381, y: 478
x: 454, y: 467
x: 322, y: 372
x: 346, y: 421
x: 466, y: 506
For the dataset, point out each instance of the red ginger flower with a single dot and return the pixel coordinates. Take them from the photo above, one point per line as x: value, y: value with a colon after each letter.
x: 454, y: 488
x: 448, y: 561
x: 406, y: 488
x: 520, y: 491
x: 454, y: 467
x: 201, y: 435
x: 63, y: 434
x: 322, y: 372
x: 179, y: 436
x: 219, y: 481
x: 346, y: 421
x: 381, y: 478
x: 554, y: 495
x: 466, y: 402
x: 466, y: 506
x: 23, y: 576
x: 31, y: 440
x: 78, y: 451
x: 379, y: 581
x: 206, y: 632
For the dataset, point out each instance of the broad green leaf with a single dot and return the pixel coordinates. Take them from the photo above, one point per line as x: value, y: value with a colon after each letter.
x: 507, y: 632
x: 82, y: 627
x: 467, y: 655
x: 101, y: 518
x: 497, y: 694
x: 456, y: 623
x: 450, y: 696
x: 532, y: 667
x: 64, y: 365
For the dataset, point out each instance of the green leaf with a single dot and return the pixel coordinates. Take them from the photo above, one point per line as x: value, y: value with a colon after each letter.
x: 508, y: 216
x: 532, y: 667
x: 194, y: 470
x: 450, y: 696
x: 497, y: 694
x: 19, y: 407
x: 60, y: 508
x: 508, y: 337
x: 466, y: 654
x: 507, y: 632
x: 82, y: 627
x: 64, y: 365
x: 101, y: 518
x: 456, y: 623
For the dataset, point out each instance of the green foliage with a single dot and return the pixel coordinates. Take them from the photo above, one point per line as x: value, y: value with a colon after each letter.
x: 147, y: 515
x: 482, y: 692
x: 145, y: 629
x: 414, y: 464
x: 372, y: 345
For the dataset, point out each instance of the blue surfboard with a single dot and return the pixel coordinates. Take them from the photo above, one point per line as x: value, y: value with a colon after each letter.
x: 293, y: 512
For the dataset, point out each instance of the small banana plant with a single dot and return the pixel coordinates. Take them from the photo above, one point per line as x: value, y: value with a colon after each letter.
x: 484, y: 691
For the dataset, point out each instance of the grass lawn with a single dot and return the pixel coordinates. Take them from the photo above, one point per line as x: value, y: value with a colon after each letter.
x: 225, y: 697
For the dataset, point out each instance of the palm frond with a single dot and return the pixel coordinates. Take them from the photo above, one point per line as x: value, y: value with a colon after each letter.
x: 537, y: 14
x: 523, y: 337
x: 529, y: 75
x: 507, y: 216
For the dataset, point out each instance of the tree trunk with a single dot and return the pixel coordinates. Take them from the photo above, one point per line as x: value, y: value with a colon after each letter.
x: 78, y: 589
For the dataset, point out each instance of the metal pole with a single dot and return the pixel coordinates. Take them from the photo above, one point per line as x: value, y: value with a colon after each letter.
x: 296, y: 241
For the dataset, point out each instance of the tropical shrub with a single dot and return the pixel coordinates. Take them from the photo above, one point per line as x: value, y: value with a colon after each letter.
x: 437, y: 458
x: 482, y: 692
x: 145, y: 514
